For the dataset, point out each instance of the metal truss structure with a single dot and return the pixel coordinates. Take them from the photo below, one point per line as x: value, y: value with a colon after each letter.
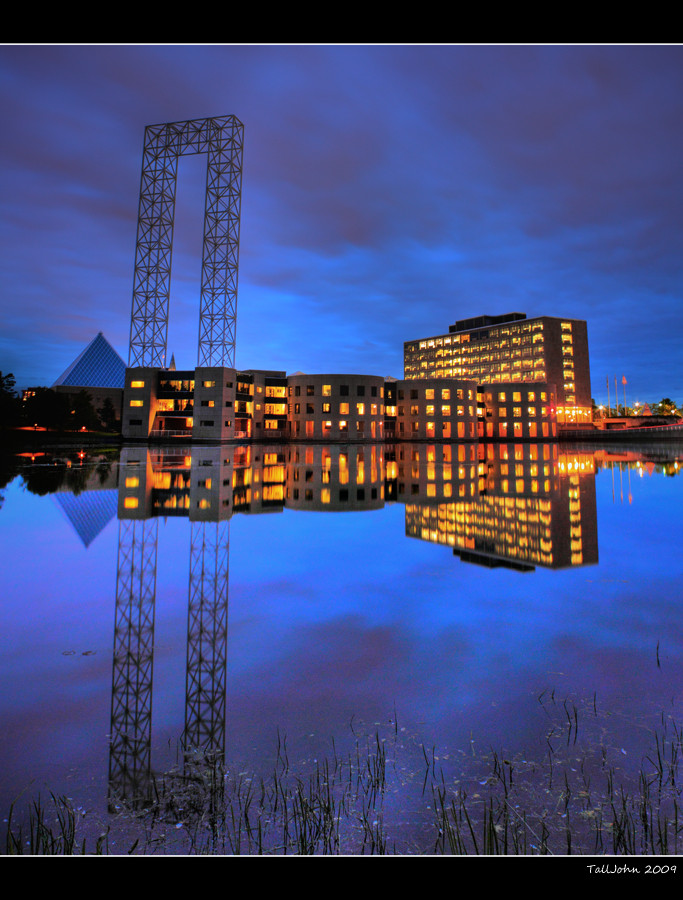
x: 222, y: 140
x: 131, y: 702
x: 207, y: 643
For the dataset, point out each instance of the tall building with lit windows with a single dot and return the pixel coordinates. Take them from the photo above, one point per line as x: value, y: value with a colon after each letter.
x: 511, y: 349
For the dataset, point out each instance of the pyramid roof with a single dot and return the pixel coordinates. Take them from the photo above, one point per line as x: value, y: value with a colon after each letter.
x: 99, y: 365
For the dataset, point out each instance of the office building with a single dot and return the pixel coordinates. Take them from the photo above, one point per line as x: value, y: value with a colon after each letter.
x: 510, y: 348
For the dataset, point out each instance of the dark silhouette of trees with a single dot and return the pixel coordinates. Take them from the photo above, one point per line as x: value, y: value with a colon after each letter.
x: 9, y: 402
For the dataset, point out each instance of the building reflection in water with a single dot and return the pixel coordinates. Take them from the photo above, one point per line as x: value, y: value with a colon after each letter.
x: 515, y: 505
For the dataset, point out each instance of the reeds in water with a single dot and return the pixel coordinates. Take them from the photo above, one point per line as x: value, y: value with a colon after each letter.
x: 391, y: 794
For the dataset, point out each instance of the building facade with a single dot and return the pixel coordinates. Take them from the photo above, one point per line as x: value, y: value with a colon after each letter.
x: 219, y: 404
x: 510, y: 348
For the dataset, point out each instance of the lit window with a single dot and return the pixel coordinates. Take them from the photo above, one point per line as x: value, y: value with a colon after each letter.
x: 137, y: 384
x: 137, y: 403
x: 131, y: 503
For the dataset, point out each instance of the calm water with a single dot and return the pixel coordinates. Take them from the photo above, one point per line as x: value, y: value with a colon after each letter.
x: 227, y: 594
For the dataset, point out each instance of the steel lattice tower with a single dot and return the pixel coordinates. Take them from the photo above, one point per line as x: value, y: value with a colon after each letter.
x: 131, y: 704
x: 222, y: 140
x: 207, y: 637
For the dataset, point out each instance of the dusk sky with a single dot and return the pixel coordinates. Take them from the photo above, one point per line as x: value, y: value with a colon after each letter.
x: 387, y: 191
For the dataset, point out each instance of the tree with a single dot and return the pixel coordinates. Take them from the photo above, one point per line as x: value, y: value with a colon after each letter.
x: 9, y: 402
x: 83, y: 413
x: 108, y: 418
x: 47, y: 408
x: 666, y: 407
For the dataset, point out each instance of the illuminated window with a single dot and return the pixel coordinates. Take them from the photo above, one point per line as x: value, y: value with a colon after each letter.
x: 137, y: 384
x: 445, y: 410
x: 445, y: 394
x: 208, y: 384
x: 137, y: 403
x: 360, y: 409
x: 131, y: 503
x: 132, y: 482
x: 327, y: 390
x: 344, y: 409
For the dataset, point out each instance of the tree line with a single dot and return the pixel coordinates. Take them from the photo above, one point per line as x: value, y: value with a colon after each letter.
x: 46, y: 408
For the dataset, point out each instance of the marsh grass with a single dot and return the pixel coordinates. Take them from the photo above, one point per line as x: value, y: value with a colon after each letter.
x: 390, y: 793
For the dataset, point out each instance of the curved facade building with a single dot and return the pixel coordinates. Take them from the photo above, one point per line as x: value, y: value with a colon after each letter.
x: 335, y: 407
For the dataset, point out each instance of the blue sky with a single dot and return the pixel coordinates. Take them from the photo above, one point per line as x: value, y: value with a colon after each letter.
x: 387, y: 192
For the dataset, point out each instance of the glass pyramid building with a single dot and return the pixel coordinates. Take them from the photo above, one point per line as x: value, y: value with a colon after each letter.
x: 99, y: 365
